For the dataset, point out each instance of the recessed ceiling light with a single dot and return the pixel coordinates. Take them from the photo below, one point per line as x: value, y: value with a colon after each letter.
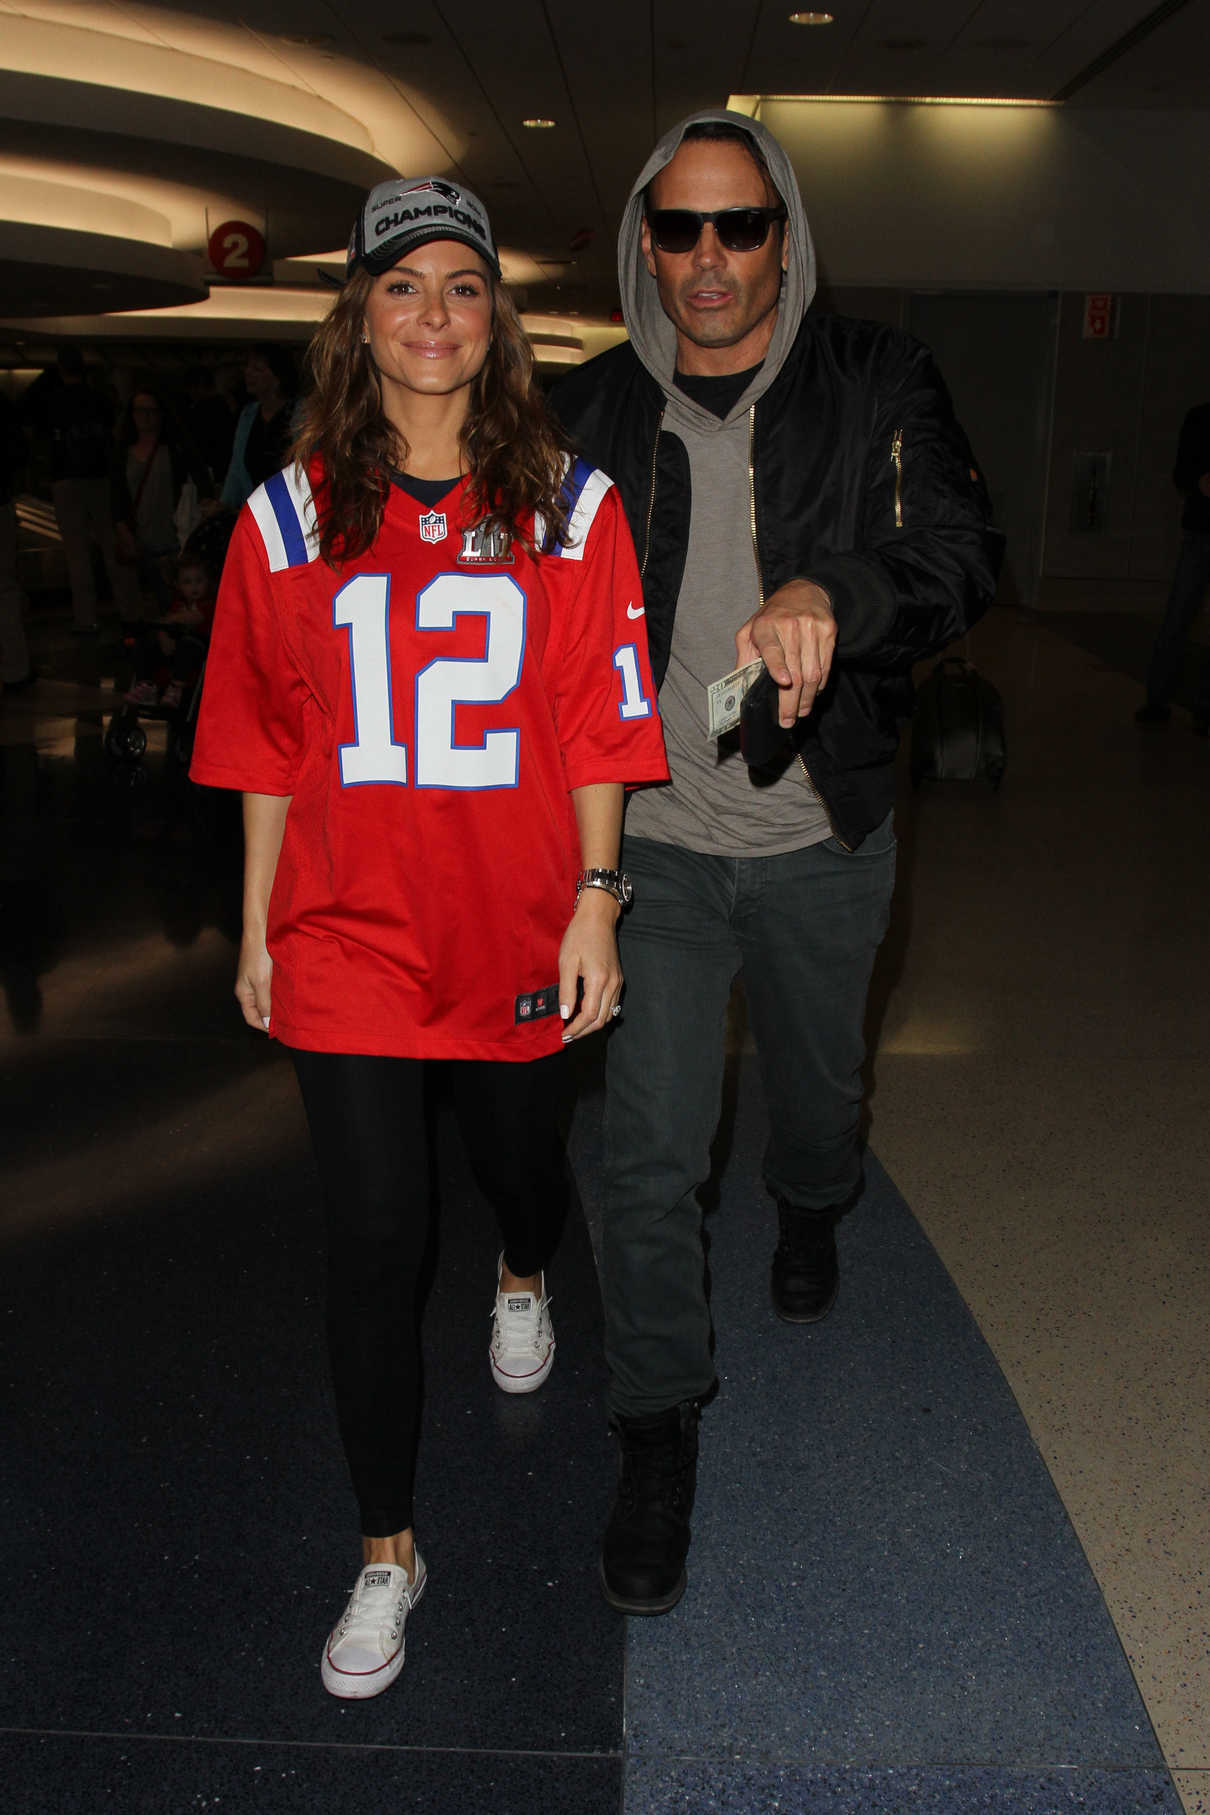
x: 539, y: 125
x: 812, y: 18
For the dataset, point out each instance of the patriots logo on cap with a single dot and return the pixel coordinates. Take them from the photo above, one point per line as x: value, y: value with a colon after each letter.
x: 434, y: 183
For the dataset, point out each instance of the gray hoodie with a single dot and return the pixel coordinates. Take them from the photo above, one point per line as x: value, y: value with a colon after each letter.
x: 713, y: 804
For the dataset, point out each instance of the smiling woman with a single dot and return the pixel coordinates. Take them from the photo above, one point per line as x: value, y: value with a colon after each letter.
x: 428, y: 323
x: 424, y: 316
x: 427, y: 679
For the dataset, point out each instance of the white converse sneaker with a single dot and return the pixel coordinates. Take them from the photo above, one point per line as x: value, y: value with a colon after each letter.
x: 523, y: 1339
x: 364, y: 1652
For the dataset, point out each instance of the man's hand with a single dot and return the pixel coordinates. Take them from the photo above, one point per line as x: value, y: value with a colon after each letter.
x: 794, y: 634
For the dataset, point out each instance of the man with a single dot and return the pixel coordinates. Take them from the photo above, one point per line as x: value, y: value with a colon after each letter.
x: 15, y: 669
x: 82, y: 455
x: 1191, y: 476
x: 799, y: 493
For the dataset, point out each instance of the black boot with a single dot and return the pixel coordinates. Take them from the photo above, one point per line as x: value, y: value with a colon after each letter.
x: 647, y: 1537
x: 805, y: 1273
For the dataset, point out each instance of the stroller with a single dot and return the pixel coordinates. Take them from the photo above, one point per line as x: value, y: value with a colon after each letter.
x: 175, y: 692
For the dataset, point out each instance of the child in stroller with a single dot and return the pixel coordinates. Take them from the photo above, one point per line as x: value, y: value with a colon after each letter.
x: 169, y: 654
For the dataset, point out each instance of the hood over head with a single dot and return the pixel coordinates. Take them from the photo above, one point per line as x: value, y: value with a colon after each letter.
x: 652, y: 334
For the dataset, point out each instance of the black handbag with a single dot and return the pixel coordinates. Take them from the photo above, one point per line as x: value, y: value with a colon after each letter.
x: 958, y: 726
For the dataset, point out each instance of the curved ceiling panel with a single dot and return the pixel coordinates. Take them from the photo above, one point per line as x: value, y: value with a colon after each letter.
x: 300, y: 144
x: 124, y: 72
x: 55, y: 270
x: 149, y: 129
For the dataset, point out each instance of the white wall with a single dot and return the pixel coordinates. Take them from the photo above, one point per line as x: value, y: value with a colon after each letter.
x: 1041, y: 198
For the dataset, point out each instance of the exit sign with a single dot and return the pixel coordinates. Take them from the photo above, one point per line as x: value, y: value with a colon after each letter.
x: 1100, y: 316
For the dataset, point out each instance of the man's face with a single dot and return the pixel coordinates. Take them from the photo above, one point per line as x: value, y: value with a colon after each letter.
x: 722, y: 304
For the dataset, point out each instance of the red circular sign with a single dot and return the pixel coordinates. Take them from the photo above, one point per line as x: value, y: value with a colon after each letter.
x: 237, y: 250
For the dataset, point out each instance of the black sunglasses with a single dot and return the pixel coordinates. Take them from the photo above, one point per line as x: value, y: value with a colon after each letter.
x: 738, y: 229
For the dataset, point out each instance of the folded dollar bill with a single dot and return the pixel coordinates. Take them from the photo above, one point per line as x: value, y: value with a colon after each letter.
x: 725, y: 697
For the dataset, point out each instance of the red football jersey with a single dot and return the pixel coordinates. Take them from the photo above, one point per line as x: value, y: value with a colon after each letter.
x: 428, y: 707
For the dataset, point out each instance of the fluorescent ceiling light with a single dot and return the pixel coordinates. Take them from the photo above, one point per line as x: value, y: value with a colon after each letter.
x: 737, y: 102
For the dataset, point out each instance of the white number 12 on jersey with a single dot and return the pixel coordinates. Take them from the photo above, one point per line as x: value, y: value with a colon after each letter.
x: 363, y: 606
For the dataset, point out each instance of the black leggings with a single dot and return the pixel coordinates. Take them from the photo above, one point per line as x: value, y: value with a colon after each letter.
x: 369, y: 1131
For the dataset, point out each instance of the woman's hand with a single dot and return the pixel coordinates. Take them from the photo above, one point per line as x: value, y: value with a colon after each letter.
x: 264, y: 827
x: 253, y: 980
x: 588, y: 957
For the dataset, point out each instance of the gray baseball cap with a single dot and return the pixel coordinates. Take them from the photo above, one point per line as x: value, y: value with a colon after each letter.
x: 405, y: 212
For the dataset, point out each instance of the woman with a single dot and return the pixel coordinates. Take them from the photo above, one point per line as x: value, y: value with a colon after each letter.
x: 152, y: 471
x: 265, y: 427
x: 429, y: 678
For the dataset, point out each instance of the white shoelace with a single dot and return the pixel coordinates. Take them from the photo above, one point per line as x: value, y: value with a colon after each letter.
x: 373, y: 1607
x: 522, y: 1333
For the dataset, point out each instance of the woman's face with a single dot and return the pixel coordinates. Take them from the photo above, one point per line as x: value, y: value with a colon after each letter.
x: 428, y: 320
x: 145, y: 413
x: 259, y: 379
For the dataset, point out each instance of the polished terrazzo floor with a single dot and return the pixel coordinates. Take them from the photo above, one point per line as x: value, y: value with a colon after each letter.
x: 951, y: 1546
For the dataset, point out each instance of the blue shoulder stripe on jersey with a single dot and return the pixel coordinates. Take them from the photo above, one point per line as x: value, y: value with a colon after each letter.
x: 583, y: 488
x: 578, y: 475
x: 295, y: 542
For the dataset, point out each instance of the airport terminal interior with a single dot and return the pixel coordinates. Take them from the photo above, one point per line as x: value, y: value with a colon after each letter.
x: 951, y: 1542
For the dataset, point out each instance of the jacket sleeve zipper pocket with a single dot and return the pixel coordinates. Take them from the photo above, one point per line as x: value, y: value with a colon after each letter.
x: 897, y: 463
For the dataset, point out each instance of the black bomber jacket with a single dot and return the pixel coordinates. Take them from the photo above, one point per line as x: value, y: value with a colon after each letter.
x: 861, y: 480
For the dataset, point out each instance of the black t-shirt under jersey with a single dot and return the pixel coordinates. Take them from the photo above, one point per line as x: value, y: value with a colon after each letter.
x: 718, y: 395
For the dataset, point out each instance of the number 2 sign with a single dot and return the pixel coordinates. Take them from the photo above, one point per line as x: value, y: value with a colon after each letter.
x: 237, y: 251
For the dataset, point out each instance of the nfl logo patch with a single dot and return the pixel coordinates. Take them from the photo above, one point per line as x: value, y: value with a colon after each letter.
x: 432, y: 526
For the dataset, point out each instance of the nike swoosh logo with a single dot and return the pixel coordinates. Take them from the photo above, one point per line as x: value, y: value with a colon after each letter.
x: 636, y: 612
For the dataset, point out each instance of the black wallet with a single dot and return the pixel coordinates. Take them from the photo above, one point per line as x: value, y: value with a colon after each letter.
x: 762, y: 741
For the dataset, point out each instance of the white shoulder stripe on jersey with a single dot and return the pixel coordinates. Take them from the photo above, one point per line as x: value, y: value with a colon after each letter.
x: 582, y: 517
x: 285, y: 515
x: 586, y: 502
x: 270, y: 534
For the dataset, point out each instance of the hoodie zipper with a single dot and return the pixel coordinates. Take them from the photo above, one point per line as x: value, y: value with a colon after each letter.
x: 760, y: 593
x: 897, y: 463
x: 655, y: 450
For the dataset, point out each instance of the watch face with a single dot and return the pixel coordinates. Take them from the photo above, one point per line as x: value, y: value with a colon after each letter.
x: 625, y: 889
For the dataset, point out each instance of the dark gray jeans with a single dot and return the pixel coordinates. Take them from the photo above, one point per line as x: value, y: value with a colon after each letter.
x: 804, y: 928
x: 1185, y: 599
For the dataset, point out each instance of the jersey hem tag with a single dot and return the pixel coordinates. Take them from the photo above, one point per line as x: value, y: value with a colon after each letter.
x: 536, y: 1004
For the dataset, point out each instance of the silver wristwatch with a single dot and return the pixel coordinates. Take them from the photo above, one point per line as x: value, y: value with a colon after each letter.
x: 614, y: 882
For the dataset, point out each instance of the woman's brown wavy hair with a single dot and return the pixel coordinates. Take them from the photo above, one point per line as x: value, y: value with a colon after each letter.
x: 514, y: 450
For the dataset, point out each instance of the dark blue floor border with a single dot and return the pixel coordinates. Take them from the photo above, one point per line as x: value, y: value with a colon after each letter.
x: 697, y: 1787
x: 888, y: 1608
